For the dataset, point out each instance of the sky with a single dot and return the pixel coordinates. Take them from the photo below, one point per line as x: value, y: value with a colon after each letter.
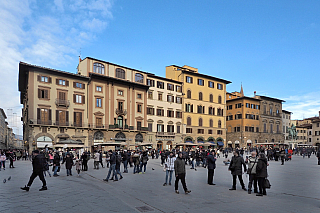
x: 269, y: 46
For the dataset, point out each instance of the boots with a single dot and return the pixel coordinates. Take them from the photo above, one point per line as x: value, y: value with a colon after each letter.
x: 25, y: 188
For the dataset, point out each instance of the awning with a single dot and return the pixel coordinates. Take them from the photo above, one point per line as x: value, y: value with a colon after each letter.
x: 236, y: 142
x: 229, y: 142
x: 146, y: 144
x: 186, y: 144
x: 209, y: 144
x: 220, y: 143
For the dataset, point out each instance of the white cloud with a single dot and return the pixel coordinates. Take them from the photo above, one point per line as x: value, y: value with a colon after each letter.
x: 94, y: 24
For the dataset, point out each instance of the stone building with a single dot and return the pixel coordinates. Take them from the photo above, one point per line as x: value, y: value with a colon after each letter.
x: 3, y: 129
x: 286, y: 123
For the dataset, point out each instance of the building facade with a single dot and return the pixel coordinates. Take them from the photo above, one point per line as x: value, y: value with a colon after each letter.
x: 204, y: 101
x: 286, y: 123
x: 3, y: 129
x: 164, y: 112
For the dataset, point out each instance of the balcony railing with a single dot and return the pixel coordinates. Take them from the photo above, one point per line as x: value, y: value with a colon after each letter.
x: 121, y: 112
x: 61, y: 123
x: 44, y: 122
x: 64, y: 103
x: 165, y: 134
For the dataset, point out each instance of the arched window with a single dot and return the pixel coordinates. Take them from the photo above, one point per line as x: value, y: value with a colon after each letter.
x: 200, y: 96
x: 219, y: 99
x: 188, y: 121
x: 211, y: 98
x: 189, y: 94
x: 200, y: 121
x: 98, y: 68
x: 211, y: 123
x: 139, y: 78
x: 120, y: 73
x: 120, y: 121
x: 219, y: 112
x: 219, y: 124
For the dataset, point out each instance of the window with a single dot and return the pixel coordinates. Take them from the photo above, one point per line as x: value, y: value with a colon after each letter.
x: 62, y: 82
x: 62, y: 118
x: 150, y: 94
x: 247, y: 105
x: 210, y: 131
x: 211, y: 111
x: 150, y: 127
x: 77, y: 119
x: 257, y: 117
x: 271, y: 128
x: 139, y: 78
x: 178, y: 100
x: 220, y: 86
x: 79, y: 99
x: 120, y: 73
x: 170, y: 98
x: 264, y: 127
x: 278, y: 130
x: 200, y: 121
x: 257, y: 129
x: 160, y: 85
x: 159, y: 96
x: 44, y: 116
x: 211, y: 123
x: 120, y: 105
x: 220, y: 112
x: 120, y: 122
x: 170, y: 128
x: 188, y: 121
x: 219, y: 124
x: 98, y: 89
x: 229, y: 117
x: 219, y: 99
x: 270, y: 111
x: 138, y: 125
x: 150, y: 111
x: 139, y: 96
x: 200, y: 96
x: 98, y: 102
x: 178, y: 88
x: 170, y: 87
x: 200, y: 109
x: 170, y: 114
x: 230, y: 107
x: 120, y: 92
x: 210, y: 84
x: 189, y: 130
x: 238, y: 105
x: 211, y: 98
x: 150, y: 82
x: 43, y: 93
x: 189, y: 79
x: 98, y: 68
x: 219, y: 132
x: 44, y: 79
x: 78, y: 85
x: 178, y: 114
x: 160, y: 112
x: 253, y: 106
x: 200, y: 82
x: 139, y: 108
x: 189, y: 108
x: 237, y: 129
x: 160, y: 128
x: 200, y: 131
x: 238, y: 116
x: 189, y: 94
x: 178, y: 129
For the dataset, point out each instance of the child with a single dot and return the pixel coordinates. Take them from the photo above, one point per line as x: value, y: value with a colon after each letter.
x: 78, y: 166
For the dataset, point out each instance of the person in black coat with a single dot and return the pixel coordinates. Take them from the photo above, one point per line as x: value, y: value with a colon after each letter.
x: 69, y: 164
x: 236, y: 169
x: 56, y: 163
x: 262, y: 173
x: 38, y: 163
x: 211, y: 160
x: 318, y: 156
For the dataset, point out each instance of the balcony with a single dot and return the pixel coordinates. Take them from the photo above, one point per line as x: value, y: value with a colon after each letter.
x: 121, y: 112
x: 44, y: 122
x: 63, y: 103
x: 61, y: 123
x: 165, y: 134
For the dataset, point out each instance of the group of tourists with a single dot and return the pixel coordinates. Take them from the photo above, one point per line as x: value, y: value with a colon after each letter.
x: 7, y: 155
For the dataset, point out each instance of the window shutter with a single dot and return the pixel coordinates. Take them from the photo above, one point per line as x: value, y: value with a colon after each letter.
x: 191, y: 80
x: 57, y: 81
x: 46, y: 94
x: 38, y: 113
x: 39, y: 78
x: 83, y: 86
x: 74, y: 98
x: 57, y: 117
x: 191, y: 107
x: 74, y: 117
x: 83, y: 101
x: 50, y: 80
x: 50, y: 117
x: 39, y: 93
x: 67, y: 116
x: 67, y: 83
x: 74, y: 84
x: 80, y: 113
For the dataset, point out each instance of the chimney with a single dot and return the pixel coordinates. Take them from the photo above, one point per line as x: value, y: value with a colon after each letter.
x: 255, y: 93
x: 319, y: 114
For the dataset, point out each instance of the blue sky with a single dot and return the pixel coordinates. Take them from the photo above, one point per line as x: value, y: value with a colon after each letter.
x: 271, y: 47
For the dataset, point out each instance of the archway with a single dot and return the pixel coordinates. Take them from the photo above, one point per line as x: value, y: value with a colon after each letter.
x: 159, y: 145
x: 188, y: 139
x: 44, y: 141
x: 139, y: 138
x: 169, y: 145
x: 98, y: 137
x: 120, y: 137
x: 200, y: 140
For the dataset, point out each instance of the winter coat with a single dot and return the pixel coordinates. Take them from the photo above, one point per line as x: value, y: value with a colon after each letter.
x: 38, y: 163
x: 262, y: 168
x: 69, y: 163
x: 179, y: 166
x: 112, y: 159
x: 56, y: 159
x: 136, y: 159
x: 144, y: 158
x: 252, y: 164
x: 78, y: 165
x: 211, y: 161
x: 236, y: 165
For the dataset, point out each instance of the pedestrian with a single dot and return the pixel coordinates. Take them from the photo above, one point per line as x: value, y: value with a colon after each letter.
x: 84, y: 159
x: 112, y: 167
x: 3, y: 159
x: 252, y: 168
x: 38, y: 162
x: 125, y: 161
x: 163, y: 157
x: 118, y: 163
x: 144, y: 161
x: 169, y: 166
x: 96, y: 160
x: 136, y: 162
x: 318, y: 156
x: 78, y: 166
x: 180, y: 172
x: 262, y: 174
x: 46, y: 168
x: 100, y: 158
x: 211, y: 161
x: 56, y: 163
x: 236, y: 169
x: 69, y: 164
x: 11, y: 159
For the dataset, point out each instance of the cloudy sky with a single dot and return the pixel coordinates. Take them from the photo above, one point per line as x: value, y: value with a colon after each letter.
x: 271, y: 47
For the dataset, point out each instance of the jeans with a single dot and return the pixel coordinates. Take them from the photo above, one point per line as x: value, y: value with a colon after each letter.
x: 113, y: 170
x: 3, y: 163
x: 197, y: 163
x: 118, y: 172
x: 125, y: 165
x: 143, y: 165
x: 69, y: 172
x: 135, y: 169
x: 204, y: 163
x: 169, y: 172
x: 96, y: 164
x: 55, y: 170
x: 192, y: 164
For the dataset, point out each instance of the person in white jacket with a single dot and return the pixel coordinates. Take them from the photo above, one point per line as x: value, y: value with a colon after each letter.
x: 169, y: 166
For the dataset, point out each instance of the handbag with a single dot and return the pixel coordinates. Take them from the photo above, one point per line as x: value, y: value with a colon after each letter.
x: 267, y: 184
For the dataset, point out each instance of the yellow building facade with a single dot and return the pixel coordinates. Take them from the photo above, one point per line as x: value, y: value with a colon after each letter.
x: 204, y: 103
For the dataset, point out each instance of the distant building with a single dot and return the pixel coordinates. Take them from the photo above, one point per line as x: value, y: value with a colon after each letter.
x: 286, y: 123
x: 3, y: 129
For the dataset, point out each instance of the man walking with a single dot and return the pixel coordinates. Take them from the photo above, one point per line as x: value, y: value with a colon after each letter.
x: 56, y: 163
x: 112, y: 167
x: 38, y: 163
x: 96, y: 160
x: 180, y: 172
x: 211, y: 160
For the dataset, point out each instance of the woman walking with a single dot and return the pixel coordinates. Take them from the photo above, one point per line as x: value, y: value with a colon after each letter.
x: 262, y: 174
x: 236, y: 170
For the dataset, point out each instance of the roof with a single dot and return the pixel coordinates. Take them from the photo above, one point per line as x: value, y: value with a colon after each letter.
x: 244, y: 97
x: 271, y: 99
x: 163, y: 78
x: 305, y: 126
x: 115, y: 64
x: 3, y: 113
x: 185, y: 70
x: 285, y: 111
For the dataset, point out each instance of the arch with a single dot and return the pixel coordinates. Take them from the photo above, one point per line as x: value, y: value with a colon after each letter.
x: 219, y: 123
x: 98, y: 135
x: 98, y: 68
x: 188, y: 139
x: 120, y: 136
x: 188, y: 121
x: 43, y: 135
x: 138, y: 78
x: 160, y: 145
x: 189, y: 94
x: 211, y: 98
x: 210, y: 139
x: 200, y: 96
x: 200, y: 139
x: 43, y: 140
x: 219, y: 99
x: 169, y: 146
x: 200, y: 122
x: 139, y: 137
x: 219, y: 139
x: 120, y: 73
x: 211, y: 123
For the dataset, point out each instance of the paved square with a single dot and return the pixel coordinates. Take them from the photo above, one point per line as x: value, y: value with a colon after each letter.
x: 295, y: 188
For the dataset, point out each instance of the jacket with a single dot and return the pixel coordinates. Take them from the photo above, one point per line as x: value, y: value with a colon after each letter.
x: 136, y: 159
x: 56, y: 159
x: 169, y: 164
x: 96, y: 156
x: 236, y: 165
x: 252, y: 164
x: 211, y: 161
x: 38, y: 163
x: 69, y: 163
x: 179, y: 166
x: 112, y: 159
x: 262, y: 168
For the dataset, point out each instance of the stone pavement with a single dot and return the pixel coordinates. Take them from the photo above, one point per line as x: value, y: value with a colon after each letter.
x: 295, y: 188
